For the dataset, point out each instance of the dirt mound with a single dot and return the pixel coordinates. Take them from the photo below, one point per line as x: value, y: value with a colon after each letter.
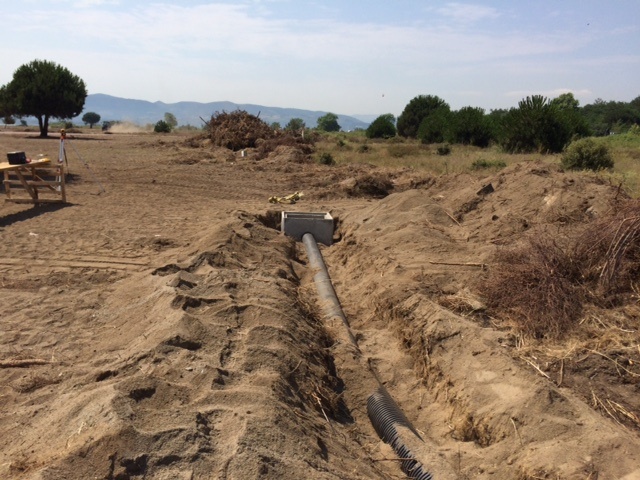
x: 164, y: 329
x: 376, y: 185
x: 412, y: 258
x: 223, y: 373
x: 286, y: 144
x: 288, y: 154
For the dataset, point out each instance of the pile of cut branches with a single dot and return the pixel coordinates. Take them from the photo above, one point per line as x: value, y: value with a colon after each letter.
x: 609, y: 252
x: 535, y: 284
x: 237, y: 130
x: 542, y: 284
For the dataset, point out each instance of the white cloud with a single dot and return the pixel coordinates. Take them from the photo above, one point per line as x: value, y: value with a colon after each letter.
x: 259, y: 51
x: 94, y: 3
x: 224, y: 29
x: 468, y: 13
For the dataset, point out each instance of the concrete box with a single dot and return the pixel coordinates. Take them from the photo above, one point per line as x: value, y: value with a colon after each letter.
x: 320, y: 225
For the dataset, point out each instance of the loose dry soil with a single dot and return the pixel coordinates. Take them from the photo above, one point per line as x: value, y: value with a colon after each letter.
x: 165, y: 328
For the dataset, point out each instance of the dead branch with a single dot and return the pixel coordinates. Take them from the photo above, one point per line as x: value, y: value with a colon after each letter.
x: 633, y: 374
x: 516, y: 429
x: 535, y: 366
x: 460, y: 264
x: 23, y: 362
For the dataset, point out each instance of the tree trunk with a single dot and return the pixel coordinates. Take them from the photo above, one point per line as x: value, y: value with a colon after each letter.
x: 44, y: 127
x: 41, y: 125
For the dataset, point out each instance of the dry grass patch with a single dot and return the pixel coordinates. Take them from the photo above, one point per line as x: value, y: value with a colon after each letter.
x: 407, y: 153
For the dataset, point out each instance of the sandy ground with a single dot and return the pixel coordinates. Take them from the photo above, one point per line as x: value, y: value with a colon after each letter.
x: 165, y: 329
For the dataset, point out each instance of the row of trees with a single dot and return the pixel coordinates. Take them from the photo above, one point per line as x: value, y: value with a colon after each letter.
x: 325, y: 123
x: 537, y: 124
x: 46, y: 90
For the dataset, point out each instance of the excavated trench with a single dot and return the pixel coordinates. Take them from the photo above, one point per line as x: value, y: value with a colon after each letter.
x: 366, y: 392
x: 388, y: 420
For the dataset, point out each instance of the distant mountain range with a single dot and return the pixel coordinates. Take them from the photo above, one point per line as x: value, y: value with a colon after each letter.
x: 142, y: 112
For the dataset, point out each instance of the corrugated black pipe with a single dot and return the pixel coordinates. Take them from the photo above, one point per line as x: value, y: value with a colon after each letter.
x: 383, y: 411
x: 385, y: 414
x: 326, y: 292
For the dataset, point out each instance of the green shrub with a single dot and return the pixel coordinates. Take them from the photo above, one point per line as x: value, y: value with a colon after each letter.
x: 587, y: 154
x: 329, y: 123
x: 415, y: 112
x: 382, y: 127
x: 434, y: 127
x: 364, y: 148
x: 536, y: 125
x: 470, y: 126
x: 444, y: 149
x: 326, y: 159
x: 481, y: 164
x: 162, y: 127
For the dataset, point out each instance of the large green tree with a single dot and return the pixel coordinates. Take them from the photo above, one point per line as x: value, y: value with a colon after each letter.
x: 470, y: 126
x: 611, y: 117
x: 4, y: 102
x: 171, y: 119
x: 566, y: 101
x: 295, y: 125
x: 435, y: 126
x: 329, y: 123
x: 44, y: 90
x: 382, y: 127
x: 415, y: 112
x: 91, y: 118
x: 537, y: 125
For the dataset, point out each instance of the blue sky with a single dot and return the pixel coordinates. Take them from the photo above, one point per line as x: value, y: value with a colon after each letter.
x: 343, y: 56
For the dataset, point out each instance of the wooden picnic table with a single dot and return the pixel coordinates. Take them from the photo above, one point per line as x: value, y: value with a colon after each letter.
x: 34, y: 178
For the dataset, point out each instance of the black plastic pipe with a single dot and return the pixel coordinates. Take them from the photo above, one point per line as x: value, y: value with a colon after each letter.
x: 385, y: 414
x: 382, y: 410
x: 326, y: 292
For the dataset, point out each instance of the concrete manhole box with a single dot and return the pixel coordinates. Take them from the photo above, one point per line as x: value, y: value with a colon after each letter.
x: 320, y: 225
